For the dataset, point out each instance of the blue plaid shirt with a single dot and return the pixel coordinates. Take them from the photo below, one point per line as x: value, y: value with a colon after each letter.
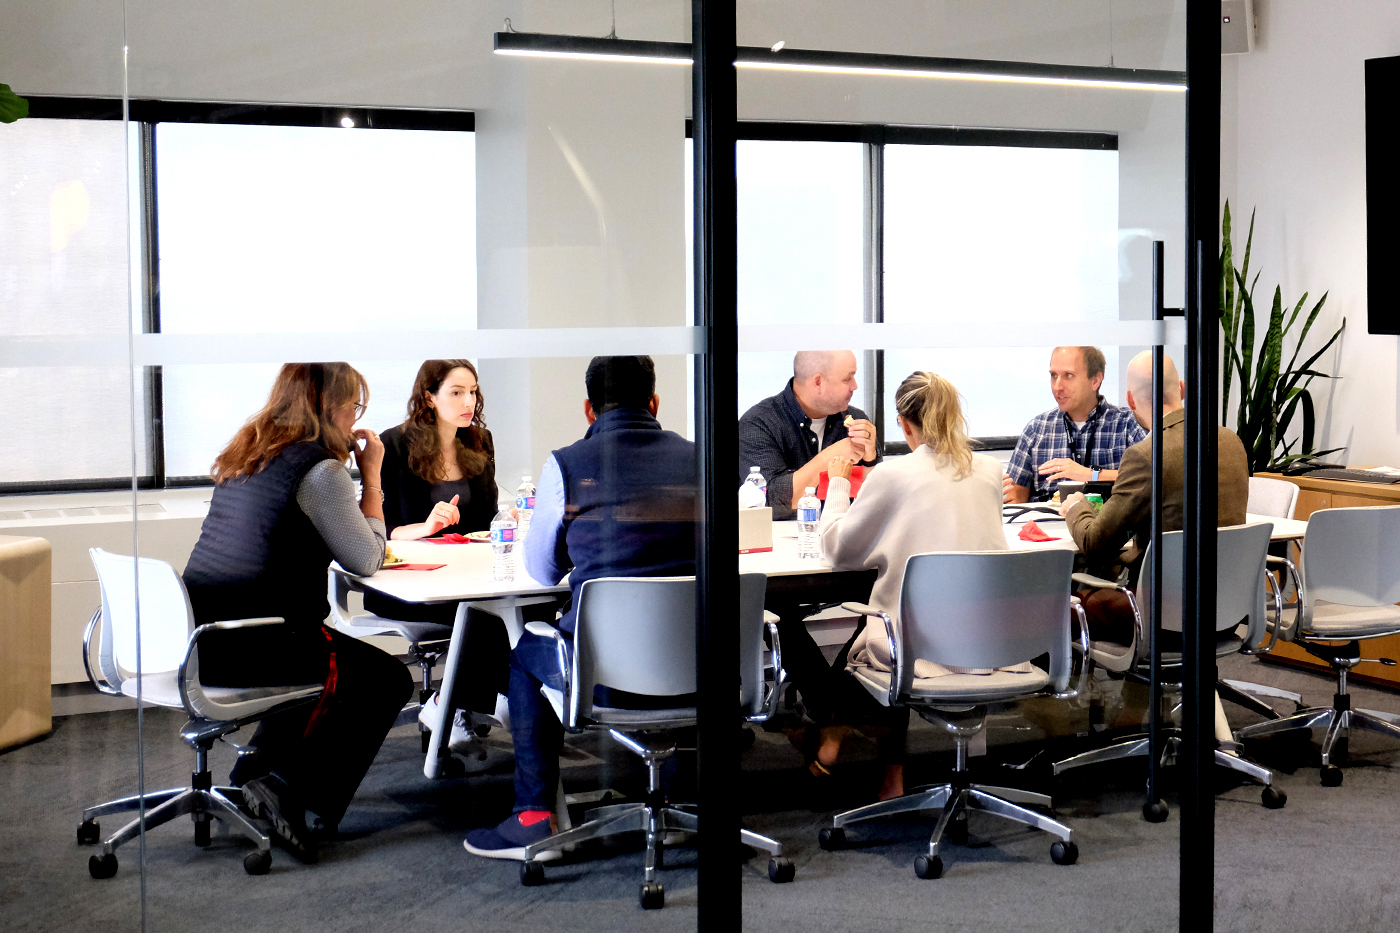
x: 1099, y: 445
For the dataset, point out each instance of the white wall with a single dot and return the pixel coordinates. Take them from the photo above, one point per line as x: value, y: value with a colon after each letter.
x: 1296, y: 152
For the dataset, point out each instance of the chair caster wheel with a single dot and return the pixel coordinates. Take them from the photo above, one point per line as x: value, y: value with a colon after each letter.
x: 201, y: 832
x: 781, y: 870
x: 102, y: 866
x: 1273, y: 799
x: 832, y: 839
x: 1064, y: 853
x: 454, y: 767
x: 89, y: 832
x: 1155, y: 812
x: 1331, y: 776
x: 426, y: 738
x: 957, y: 830
x: 257, y: 863
x: 928, y: 866
x: 531, y: 874
x: 653, y: 896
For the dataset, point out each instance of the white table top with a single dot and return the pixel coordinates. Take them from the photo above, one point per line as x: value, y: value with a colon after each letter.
x: 467, y: 575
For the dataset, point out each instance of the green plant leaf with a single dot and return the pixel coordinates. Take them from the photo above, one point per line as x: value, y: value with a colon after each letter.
x: 12, y: 106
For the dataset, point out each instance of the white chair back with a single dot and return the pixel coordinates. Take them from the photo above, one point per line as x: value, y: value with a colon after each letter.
x: 752, y: 588
x: 165, y: 617
x: 985, y: 609
x: 635, y: 634
x: 1241, y: 552
x: 1275, y: 498
x: 1352, y: 556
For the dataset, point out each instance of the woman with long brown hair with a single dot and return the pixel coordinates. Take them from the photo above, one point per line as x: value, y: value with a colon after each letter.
x: 284, y: 506
x: 941, y: 497
x: 440, y: 464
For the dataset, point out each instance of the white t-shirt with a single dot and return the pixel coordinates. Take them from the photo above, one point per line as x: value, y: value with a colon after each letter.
x: 819, y: 429
x: 1079, y: 425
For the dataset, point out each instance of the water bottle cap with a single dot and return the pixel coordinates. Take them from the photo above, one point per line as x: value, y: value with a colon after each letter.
x: 524, y: 479
x: 753, y: 469
x: 811, y: 490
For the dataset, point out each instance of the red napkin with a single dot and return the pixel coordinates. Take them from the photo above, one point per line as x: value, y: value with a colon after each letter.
x: 449, y: 539
x: 414, y: 566
x: 857, y: 477
x: 1030, y: 531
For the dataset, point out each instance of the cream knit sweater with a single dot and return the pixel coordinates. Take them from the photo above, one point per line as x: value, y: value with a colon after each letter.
x: 909, y: 505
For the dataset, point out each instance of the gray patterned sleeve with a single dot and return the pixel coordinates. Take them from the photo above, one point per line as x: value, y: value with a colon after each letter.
x: 327, y: 496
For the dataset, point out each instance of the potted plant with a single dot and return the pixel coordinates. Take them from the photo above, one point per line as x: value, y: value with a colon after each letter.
x: 1271, y: 393
x: 12, y: 107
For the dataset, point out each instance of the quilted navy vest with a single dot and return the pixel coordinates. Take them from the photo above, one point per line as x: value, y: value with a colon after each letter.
x: 258, y: 553
x: 631, y: 492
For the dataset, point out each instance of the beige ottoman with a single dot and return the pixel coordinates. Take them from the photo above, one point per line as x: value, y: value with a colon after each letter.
x: 26, y: 708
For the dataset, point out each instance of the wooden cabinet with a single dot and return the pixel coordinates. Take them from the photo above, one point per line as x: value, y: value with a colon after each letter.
x: 26, y: 566
x: 1315, y: 495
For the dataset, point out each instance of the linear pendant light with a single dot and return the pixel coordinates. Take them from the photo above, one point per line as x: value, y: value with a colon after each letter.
x: 542, y: 45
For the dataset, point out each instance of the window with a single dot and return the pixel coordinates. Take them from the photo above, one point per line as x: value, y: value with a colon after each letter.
x: 283, y: 222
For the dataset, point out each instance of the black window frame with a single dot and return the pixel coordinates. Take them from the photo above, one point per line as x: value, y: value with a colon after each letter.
x: 146, y: 113
x: 875, y: 136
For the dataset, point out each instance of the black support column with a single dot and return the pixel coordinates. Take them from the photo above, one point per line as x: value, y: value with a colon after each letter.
x: 716, y: 381
x: 1202, y: 486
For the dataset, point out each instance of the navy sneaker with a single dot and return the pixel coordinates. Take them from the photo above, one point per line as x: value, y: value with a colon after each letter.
x: 509, y: 839
x: 271, y: 799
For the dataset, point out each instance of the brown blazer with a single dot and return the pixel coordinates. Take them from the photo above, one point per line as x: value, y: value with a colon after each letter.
x: 1128, y: 512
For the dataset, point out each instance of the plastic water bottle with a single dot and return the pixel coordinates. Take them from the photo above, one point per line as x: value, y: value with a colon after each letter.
x: 808, y: 508
x: 503, y: 546
x: 755, y: 478
x: 525, y: 505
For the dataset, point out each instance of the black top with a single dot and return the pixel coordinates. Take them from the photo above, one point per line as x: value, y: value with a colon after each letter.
x: 408, y: 498
x: 258, y: 553
x: 776, y: 436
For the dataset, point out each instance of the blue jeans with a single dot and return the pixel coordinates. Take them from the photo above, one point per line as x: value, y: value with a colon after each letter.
x: 535, y: 730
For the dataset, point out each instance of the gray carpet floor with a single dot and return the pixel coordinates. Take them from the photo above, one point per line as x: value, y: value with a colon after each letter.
x: 1328, y: 861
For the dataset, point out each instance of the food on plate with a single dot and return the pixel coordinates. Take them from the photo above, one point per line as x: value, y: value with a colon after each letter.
x: 390, y: 558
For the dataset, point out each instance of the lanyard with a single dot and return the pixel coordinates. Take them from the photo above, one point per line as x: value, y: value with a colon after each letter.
x: 1093, y: 433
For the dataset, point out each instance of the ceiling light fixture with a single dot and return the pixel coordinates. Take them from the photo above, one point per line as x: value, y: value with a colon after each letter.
x: 779, y: 58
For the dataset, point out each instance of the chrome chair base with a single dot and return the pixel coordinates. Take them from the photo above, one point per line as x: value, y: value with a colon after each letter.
x: 1337, y: 722
x: 1137, y: 747
x: 219, y: 803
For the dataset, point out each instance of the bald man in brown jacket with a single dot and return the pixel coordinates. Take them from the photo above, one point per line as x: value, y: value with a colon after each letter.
x: 1127, y: 515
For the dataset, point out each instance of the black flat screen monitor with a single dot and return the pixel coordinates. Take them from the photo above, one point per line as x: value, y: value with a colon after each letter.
x: 1382, y: 196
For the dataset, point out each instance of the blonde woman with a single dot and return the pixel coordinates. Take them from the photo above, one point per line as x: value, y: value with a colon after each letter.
x: 941, y: 497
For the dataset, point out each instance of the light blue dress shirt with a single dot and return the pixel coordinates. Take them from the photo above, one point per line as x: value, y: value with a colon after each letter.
x: 545, y: 540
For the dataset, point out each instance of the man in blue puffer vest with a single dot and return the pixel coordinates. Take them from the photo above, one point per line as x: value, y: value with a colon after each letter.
x: 619, y: 503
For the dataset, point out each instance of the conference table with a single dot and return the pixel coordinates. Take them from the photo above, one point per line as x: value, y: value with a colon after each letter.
x: 465, y: 578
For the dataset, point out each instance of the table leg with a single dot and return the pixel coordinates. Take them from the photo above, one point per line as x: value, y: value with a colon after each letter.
x: 438, y: 753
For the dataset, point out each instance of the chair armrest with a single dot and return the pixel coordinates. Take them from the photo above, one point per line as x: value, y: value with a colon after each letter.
x: 1082, y: 643
x: 189, y: 666
x: 1299, y: 619
x: 775, y: 693
x: 1097, y: 583
x: 771, y: 618
x: 95, y: 677
x: 861, y: 609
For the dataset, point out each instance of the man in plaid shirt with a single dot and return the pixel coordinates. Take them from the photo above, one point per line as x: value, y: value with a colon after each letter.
x: 1081, y: 440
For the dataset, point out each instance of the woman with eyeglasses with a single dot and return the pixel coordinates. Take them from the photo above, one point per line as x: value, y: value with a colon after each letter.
x: 284, y: 506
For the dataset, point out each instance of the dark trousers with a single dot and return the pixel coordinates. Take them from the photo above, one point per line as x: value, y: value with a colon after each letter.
x: 535, y: 731
x: 484, y: 667
x: 321, y: 750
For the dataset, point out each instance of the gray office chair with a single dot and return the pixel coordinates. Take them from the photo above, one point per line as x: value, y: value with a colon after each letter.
x: 1240, y: 579
x: 757, y: 703
x: 980, y: 610
x: 637, y: 635
x: 168, y: 658
x: 1276, y: 498
x: 1347, y: 592
x: 427, y: 641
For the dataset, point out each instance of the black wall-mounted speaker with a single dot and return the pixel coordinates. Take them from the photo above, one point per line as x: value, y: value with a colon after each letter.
x: 1382, y: 196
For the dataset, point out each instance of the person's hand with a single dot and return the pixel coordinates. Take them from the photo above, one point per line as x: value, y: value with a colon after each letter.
x: 844, y: 449
x: 1064, y: 468
x: 369, y: 456
x: 443, y: 515
x: 839, y: 468
x: 1064, y: 506
x: 861, y: 434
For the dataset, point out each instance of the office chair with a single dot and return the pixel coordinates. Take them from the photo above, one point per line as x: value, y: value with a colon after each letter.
x: 985, y: 609
x: 1241, y: 551
x: 168, y: 657
x: 1273, y: 497
x: 756, y: 704
x: 632, y: 634
x: 1349, y: 584
x: 427, y: 641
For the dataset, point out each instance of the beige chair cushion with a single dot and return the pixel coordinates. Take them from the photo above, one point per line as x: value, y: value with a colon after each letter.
x: 163, y: 689
x: 1353, y: 621
x: 981, y: 688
